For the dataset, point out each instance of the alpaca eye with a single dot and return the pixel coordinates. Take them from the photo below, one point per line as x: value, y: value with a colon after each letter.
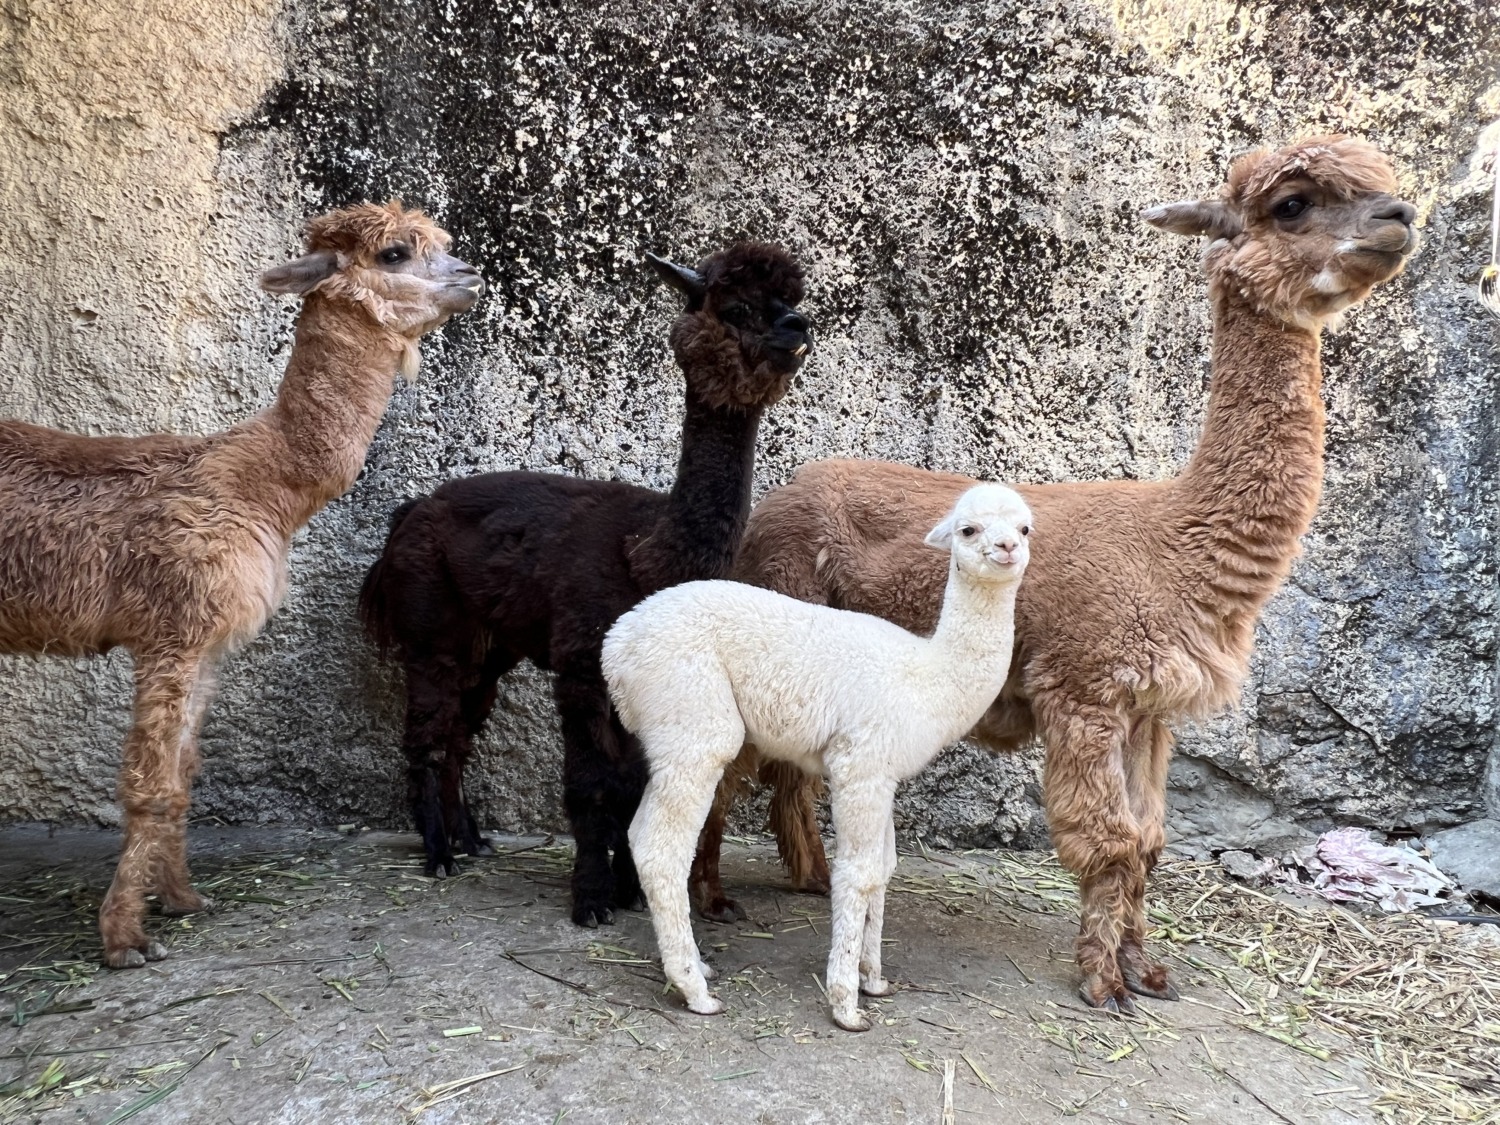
x: 1026, y: 530
x: 393, y: 254
x: 967, y: 532
x: 734, y: 314
x: 1289, y: 208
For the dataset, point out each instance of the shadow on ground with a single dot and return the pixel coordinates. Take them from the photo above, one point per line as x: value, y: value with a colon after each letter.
x: 335, y: 983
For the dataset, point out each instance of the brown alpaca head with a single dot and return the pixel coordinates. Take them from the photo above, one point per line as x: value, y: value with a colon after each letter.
x: 741, y: 339
x: 387, y: 261
x: 1302, y: 233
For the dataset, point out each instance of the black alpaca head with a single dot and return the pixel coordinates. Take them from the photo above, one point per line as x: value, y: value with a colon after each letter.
x: 741, y: 339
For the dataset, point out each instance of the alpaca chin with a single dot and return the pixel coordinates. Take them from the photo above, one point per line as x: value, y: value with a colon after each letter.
x: 411, y: 360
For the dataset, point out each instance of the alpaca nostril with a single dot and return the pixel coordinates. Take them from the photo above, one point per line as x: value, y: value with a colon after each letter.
x: 792, y: 322
x: 1399, y: 210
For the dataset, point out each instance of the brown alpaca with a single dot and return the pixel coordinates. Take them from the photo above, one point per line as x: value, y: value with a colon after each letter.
x: 176, y: 547
x: 1141, y: 598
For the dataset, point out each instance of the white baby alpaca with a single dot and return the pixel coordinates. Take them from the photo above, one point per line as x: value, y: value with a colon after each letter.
x: 698, y: 670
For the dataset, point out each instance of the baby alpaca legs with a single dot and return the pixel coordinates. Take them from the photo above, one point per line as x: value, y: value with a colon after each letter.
x: 663, y: 838
x: 866, y: 856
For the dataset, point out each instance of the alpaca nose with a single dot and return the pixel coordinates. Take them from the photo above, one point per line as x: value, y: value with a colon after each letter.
x: 792, y: 322
x: 1398, y: 210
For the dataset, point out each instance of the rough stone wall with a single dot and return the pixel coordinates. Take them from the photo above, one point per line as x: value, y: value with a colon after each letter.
x: 961, y: 181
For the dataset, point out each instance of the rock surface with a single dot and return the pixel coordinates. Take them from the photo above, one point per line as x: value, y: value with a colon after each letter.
x: 1471, y: 854
x: 962, y: 181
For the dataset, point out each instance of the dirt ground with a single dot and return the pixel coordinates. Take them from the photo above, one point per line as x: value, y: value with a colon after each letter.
x: 335, y: 983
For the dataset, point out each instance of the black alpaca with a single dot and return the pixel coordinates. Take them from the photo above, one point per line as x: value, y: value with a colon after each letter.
x: 492, y: 569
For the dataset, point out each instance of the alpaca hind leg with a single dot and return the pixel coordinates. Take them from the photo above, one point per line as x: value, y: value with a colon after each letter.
x: 154, y: 795
x: 1095, y: 833
x: 174, y: 885
x: 475, y: 703
x: 1149, y: 752
x: 662, y: 838
x: 860, y: 811
x: 706, y: 885
x: 631, y: 777
x: 872, y: 981
x: 794, y: 821
x: 592, y: 784
x: 433, y: 744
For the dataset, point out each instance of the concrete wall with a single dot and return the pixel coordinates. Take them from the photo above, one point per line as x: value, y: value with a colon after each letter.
x: 961, y: 181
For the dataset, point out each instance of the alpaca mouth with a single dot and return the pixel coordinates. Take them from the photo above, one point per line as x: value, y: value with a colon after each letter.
x: 800, y: 350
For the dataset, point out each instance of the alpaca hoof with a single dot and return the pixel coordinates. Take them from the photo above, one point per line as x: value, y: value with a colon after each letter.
x: 854, y: 1020
x: 593, y: 915
x: 723, y: 910
x: 156, y: 951
x: 178, y: 909
x: 710, y: 1006
x: 708, y: 971
x: 1116, y: 1002
x: 637, y: 902
x: 878, y: 988
x: 125, y: 959
x: 482, y: 848
x: 1153, y: 983
x: 815, y: 885
x: 441, y: 868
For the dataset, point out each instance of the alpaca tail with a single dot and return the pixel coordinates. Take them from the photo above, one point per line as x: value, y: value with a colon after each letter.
x: 375, y: 606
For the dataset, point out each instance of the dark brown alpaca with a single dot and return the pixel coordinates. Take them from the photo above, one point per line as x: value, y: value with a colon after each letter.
x: 497, y: 568
x: 175, y: 547
x: 1141, y: 599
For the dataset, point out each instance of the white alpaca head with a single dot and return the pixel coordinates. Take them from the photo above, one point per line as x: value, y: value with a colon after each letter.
x: 987, y: 533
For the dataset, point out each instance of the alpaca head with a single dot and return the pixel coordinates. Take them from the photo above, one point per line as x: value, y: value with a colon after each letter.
x: 387, y: 261
x: 741, y: 339
x: 987, y: 533
x: 1302, y: 233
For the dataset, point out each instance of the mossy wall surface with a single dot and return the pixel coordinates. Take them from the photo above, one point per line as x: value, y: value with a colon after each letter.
x: 961, y: 181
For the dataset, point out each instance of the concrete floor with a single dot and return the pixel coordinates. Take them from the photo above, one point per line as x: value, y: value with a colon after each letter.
x: 331, y: 982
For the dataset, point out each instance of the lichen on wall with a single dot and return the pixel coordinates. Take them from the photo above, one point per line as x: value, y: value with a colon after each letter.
x: 962, y: 182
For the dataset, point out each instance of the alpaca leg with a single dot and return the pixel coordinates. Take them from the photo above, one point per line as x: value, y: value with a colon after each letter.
x: 174, y: 886
x: 794, y: 821
x: 630, y: 783
x: 593, y: 785
x: 154, y: 794
x: 662, y: 835
x: 871, y: 981
x: 435, y: 735
x: 475, y: 703
x: 1149, y: 754
x: 1095, y: 833
x: 860, y: 811
x: 707, y: 887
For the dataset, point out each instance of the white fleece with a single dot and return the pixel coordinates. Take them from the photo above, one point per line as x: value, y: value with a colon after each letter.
x: 697, y: 670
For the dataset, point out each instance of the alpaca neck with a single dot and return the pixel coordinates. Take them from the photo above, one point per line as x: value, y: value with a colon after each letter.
x: 332, y: 397
x: 696, y: 537
x: 1251, y: 487
x: 970, y: 649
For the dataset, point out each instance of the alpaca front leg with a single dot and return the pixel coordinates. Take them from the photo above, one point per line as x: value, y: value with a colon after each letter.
x: 1149, y: 754
x: 871, y: 980
x: 859, y: 817
x: 1096, y: 836
x: 174, y: 885
x: 662, y: 838
x: 153, y: 791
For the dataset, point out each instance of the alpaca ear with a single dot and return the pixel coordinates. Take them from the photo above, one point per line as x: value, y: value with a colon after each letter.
x: 941, y: 536
x: 1191, y: 217
x: 688, y: 282
x: 301, y: 275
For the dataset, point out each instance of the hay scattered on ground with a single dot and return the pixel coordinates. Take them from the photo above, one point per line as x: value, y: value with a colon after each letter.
x: 1417, y: 1002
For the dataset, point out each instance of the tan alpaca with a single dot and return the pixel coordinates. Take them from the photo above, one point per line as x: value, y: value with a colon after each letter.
x: 175, y: 547
x: 1142, y: 596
